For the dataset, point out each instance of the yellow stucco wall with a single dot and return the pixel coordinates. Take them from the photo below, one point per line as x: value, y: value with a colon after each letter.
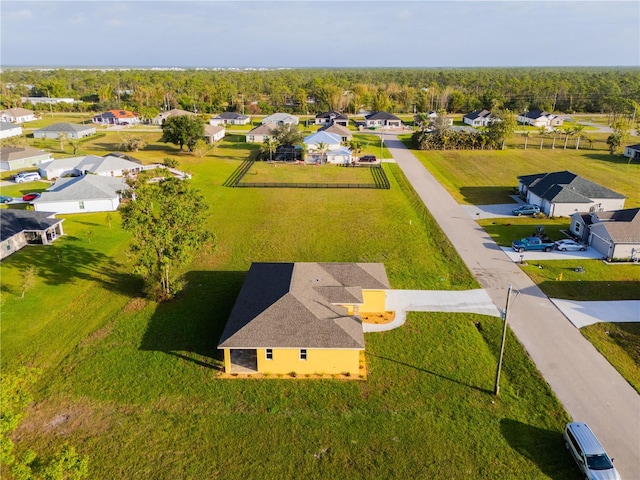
x: 318, y: 361
x: 373, y: 301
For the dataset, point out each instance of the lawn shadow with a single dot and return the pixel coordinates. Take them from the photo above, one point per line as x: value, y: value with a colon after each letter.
x: 588, y: 290
x: 606, y: 157
x: 190, y: 326
x: 489, y: 195
x: 545, y: 448
x: 430, y: 372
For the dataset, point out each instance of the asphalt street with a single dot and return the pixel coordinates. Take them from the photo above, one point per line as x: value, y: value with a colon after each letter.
x: 590, y: 389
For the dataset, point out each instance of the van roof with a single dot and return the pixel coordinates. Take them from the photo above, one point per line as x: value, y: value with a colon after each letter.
x: 584, y: 435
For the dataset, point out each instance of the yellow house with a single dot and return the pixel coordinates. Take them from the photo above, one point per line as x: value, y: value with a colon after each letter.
x: 302, y: 317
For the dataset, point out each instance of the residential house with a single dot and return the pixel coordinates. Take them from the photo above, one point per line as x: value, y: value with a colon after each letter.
x: 8, y: 129
x: 632, y: 151
x: 540, y: 118
x: 17, y: 115
x: 229, y: 118
x: 343, y: 132
x: 332, y: 118
x: 302, y: 318
x: 213, y: 133
x: 561, y: 194
x: 615, y: 234
x: 478, y: 118
x: 281, y: 119
x: 260, y: 133
x: 71, y: 130
x: 334, y: 151
x: 87, y: 193
x: 117, y: 117
x: 382, y: 119
x: 19, y: 228
x: 108, y: 166
x: 15, y: 158
x: 432, y: 116
x: 175, y: 112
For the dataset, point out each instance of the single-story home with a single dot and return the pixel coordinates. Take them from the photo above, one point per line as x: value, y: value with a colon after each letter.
x: 15, y: 158
x: 615, y: 234
x: 332, y: 118
x: 382, y: 119
x: 344, y: 133
x: 632, y: 151
x: 334, y: 151
x: 561, y: 194
x: 71, y: 130
x: 46, y: 100
x: 8, y: 129
x: 229, y: 118
x: 302, y: 318
x: 260, y: 133
x: 478, y: 118
x: 432, y: 116
x: 19, y: 228
x: 108, y: 166
x: 17, y: 115
x: 87, y: 193
x: 174, y: 112
x: 281, y: 119
x: 540, y: 118
x: 117, y: 117
x: 213, y: 133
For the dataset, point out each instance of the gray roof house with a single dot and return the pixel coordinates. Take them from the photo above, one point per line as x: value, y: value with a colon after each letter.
x: 87, y: 193
x: 109, y: 165
x: 174, y: 112
x: 19, y: 228
x: 615, y: 234
x: 260, y: 133
x: 478, y: 118
x: 71, y: 130
x: 290, y: 306
x: 540, y: 118
x: 14, y: 158
x: 632, y: 151
x: 332, y: 118
x: 281, y: 119
x: 561, y: 194
x: 344, y: 133
x: 229, y: 118
x: 382, y: 119
x: 8, y: 129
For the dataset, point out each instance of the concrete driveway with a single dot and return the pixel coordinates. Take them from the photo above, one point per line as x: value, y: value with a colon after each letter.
x: 582, y: 314
x: 586, y: 384
x: 588, y: 254
x: 500, y: 210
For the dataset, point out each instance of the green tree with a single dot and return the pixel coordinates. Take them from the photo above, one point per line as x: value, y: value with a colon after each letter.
x: 355, y: 146
x: 62, y: 137
x: 322, y: 148
x: 614, y: 141
x: 578, y: 132
x: 183, y: 130
x: 130, y: 142
x: 288, y: 135
x: 168, y: 222
x: 269, y: 145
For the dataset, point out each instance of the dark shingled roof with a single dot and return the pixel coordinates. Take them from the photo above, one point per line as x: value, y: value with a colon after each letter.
x: 231, y: 116
x: 566, y: 187
x: 332, y: 114
x: 292, y: 305
x: 13, y: 222
x: 381, y: 116
x: 634, y: 147
x: 534, y: 114
x: 477, y: 114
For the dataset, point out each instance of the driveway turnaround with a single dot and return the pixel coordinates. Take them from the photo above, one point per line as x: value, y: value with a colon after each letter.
x: 403, y: 301
x: 590, y: 389
x: 582, y: 314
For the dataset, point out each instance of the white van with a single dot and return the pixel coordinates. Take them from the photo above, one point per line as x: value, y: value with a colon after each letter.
x: 26, y: 177
x: 586, y: 450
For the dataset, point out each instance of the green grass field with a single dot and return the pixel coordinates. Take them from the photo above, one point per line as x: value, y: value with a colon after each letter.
x: 136, y: 385
x: 505, y: 230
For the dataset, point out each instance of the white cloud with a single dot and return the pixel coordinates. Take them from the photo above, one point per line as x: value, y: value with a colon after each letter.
x: 19, y: 15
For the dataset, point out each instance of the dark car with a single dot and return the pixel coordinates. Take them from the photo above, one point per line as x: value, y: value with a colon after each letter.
x: 5, y: 199
x: 368, y: 158
x: 29, y: 197
x: 526, y: 210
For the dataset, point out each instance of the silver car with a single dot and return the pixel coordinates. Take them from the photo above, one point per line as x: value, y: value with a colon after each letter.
x: 569, y: 246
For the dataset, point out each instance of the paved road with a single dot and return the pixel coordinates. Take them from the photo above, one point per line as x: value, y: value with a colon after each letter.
x: 590, y: 389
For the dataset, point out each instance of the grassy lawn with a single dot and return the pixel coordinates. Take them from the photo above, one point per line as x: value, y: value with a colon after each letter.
x: 59, y: 117
x: 505, y: 230
x: 264, y: 172
x: 129, y: 376
x: 481, y: 177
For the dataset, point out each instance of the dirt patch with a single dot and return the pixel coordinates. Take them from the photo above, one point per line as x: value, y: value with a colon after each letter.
x: 135, y: 305
x: 97, y: 335
x: 378, y: 318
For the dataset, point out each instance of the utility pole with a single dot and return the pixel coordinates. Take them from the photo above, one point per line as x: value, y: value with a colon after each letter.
x: 496, y: 389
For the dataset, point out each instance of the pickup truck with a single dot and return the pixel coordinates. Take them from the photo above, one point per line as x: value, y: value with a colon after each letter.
x: 531, y: 243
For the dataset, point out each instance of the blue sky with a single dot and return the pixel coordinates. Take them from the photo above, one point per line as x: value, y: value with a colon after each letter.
x: 320, y: 33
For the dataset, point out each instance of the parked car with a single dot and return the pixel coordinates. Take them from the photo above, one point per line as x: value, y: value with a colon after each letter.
x: 526, y: 210
x: 5, y: 199
x: 588, y: 453
x: 30, y: 197
x: 569, y: 245
x: 368, y: 158
x: 531, y: 243
x: 26, y: 177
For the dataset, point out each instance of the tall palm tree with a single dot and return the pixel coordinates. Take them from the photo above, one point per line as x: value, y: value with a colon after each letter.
x: 542, y: 131
x: 355, y: 147
x: 270, y: 145
x: 568, y: 131
x: 322, y: 148
x: 526, y: 134
x: 577, y: 131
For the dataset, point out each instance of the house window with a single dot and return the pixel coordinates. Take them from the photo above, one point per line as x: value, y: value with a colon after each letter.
x: 303, y: 354
x: 268, y: 354
x: 578, y: 227
x: 250, y: 138
x: 8, y: 244
x: 81, y: 205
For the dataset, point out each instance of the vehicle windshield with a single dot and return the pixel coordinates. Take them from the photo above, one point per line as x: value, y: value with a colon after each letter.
x: 599, y: 462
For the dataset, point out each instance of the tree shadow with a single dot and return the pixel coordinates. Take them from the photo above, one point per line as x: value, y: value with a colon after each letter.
x: 545, y: 448
x: 488, y: 195
x: 607, y: 157
x: 190, y: 326
x: 430, y: 372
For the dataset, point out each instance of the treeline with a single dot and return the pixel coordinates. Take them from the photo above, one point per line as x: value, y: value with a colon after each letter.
x: 310, y: 91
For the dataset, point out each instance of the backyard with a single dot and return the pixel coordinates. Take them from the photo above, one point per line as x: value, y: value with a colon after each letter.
x: 122, y: 375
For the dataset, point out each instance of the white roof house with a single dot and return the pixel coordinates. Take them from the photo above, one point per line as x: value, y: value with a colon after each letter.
x: 175, y: 112
x: 88, y: 193
x: 214, y: 133
x: 281, y: 119
x: 17, y: 115
x: 8, y: 129
x: 72, y: 130
x: 331, y: 140
x: 108, y: 166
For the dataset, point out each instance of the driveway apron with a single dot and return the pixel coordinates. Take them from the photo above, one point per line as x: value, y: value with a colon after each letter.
x: 590, y: 389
